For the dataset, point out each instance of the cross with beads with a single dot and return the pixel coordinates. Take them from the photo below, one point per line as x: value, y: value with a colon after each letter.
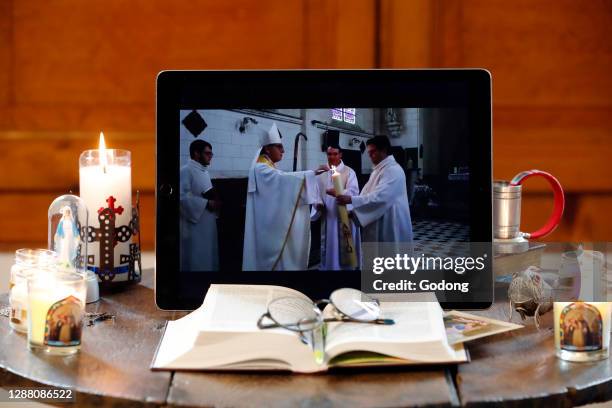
x: 108, y: 235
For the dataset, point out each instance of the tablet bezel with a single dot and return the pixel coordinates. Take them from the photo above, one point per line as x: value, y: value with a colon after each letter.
x: 177, y: 90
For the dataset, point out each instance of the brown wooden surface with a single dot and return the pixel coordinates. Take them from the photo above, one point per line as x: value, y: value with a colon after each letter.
x: 379, y: 389
x: 511, y: 369
x: 113, y: 365
x: 520, y: 368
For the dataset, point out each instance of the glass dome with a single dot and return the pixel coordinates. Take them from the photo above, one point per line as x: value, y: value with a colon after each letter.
x: 68, y: 220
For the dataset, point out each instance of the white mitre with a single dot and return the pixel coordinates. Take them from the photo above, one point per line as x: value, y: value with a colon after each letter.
x: 272, y: 136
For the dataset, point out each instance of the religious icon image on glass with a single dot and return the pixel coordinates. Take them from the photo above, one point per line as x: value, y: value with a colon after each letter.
x: 581, y: 328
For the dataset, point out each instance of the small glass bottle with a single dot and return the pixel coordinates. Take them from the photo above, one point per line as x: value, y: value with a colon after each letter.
x: 25, y: 259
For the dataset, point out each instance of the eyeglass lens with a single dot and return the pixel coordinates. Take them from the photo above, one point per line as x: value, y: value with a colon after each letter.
x: 295, y: 313
x: 355, y: 304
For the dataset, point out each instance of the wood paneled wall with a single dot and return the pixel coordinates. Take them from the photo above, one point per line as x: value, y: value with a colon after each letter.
x: 69, y: 70
x: 552, y: 91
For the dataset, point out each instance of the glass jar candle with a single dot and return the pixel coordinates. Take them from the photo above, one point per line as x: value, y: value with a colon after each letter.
x: 582, y: 330
x: 25, y: 259
x: 56, y: 306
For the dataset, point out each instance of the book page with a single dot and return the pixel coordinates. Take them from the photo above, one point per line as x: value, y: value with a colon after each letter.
x: 238, y: 307
x: 415, y: 322
x: 223, y: 334
x: 179, y: 337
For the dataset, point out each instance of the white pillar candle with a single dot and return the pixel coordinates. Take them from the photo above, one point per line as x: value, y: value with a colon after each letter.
x: 105, y: 177
x: 347, y: 232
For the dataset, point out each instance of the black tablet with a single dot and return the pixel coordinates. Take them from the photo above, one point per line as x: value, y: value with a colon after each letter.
x: 246, y: 192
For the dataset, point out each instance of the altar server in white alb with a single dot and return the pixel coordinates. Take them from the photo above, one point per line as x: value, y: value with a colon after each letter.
x: 332, y: 238
x: 198, y: 207
x: 277, y: 226
x: 382, y: 206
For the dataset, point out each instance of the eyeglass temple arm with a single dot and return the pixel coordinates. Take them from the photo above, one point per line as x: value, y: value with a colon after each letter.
x: 262, y: 325
x: 386, y: 322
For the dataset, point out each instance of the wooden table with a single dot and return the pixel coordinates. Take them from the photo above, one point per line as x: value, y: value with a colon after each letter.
x: 516, y: 368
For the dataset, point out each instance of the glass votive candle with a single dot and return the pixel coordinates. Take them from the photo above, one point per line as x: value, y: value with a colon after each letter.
x: 56, y: 305
x: 25, y: 259
x: 582, y: 330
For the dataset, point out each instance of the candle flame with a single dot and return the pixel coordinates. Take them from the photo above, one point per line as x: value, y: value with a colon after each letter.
x: 333, y: 169
x: 102, y: 150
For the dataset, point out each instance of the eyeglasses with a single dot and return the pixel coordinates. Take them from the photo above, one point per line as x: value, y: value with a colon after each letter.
x: 302, y: 315
x: 305, y: 317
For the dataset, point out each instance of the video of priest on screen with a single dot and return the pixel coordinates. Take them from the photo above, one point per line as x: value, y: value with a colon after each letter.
x: 309, y: 189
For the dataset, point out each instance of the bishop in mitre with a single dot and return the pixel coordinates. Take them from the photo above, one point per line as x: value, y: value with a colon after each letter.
x: 277, y: 226
x: 333, y: 239
x: 382, y: 206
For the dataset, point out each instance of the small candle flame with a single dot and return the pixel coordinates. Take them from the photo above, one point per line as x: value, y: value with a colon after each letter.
x: 333, y: 169
x: 102, y: 150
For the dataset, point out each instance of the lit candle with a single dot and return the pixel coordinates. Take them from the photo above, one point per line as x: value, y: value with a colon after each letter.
x: 25, y: 259
x: 56, y: 302
x: 106, y: 188
x: 582, y: 330
x: 337, y: 180
x: 43, y: 295
x: 348, y: 255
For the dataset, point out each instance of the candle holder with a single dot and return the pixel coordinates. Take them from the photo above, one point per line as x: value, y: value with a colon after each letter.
x: 582, y: 330
x: 107, y: 235
x: 25, y: 259
x: 56, y: 306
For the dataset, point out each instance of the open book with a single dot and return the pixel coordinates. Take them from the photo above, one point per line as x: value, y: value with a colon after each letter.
x: 223, y: 335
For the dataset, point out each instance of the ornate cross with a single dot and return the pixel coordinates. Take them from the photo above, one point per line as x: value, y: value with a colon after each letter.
x: 108, y: 235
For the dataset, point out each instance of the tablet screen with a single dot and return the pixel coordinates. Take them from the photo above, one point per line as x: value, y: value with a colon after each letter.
x: 251, y: 198
x: 307, y: 179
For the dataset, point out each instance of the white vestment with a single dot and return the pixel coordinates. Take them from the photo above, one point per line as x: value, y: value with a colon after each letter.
x: 382, y: 207
x: 330, y: 243
x: 198, y: 229
x: 277, y: 225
